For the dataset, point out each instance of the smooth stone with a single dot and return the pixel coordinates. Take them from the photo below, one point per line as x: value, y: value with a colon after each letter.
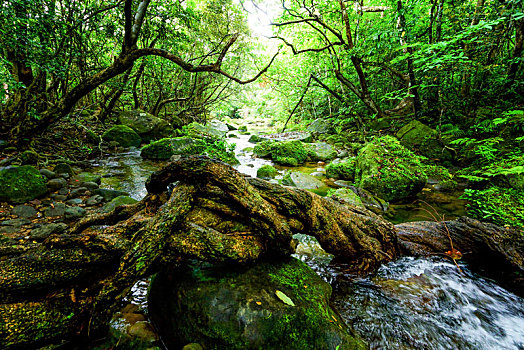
x: 94, y: 200
x: 90, y: 185
x: 46, y: 230
x: 109, y: 194
x: 74, y: 212
x: 58, y: 210
x: 24, y: 211
x: 74, y: 201
x: 59, y: 197
x: 56, y: 184
x: 63, y: 168
x: 16, y: 222
x: 77, y: 192
x: 48, y: 173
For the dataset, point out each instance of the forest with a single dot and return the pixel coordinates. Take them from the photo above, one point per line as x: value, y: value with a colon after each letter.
x: 262, y: 174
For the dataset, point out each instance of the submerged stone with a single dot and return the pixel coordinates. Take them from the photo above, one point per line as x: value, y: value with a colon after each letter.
x: 248, y: 308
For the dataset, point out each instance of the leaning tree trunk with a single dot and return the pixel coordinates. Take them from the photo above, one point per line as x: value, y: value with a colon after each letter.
x: 71, y: 284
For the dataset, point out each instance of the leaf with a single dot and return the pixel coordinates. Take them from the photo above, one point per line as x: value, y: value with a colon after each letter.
x: 285, y: 299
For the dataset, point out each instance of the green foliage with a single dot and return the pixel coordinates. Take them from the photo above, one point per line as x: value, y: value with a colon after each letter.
x: 267, y: 172
x: 501, y: 206
x: 344, y: 170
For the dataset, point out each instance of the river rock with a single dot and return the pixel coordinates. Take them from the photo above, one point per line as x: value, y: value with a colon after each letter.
x: 389, y: 170
x: 346, y: 196
x: 21, y: 184
x: 90, y: 185
x: 271, y: 305
x: 56, y: 184
x: 211, y: 130
x: 75, y: 201
x: 124, y: 135
x: 321, y: 151
x: 165, y: 148
x: 370, y: 201
x: 94, y: 200
x: 146, y: 125
x: 86, y: 177
x: 63, y: 168
x: 24, y: 211
x: 267, y: 172
x: 29, y: 157
x: 57, y: 209
x: 48, y: 173
x: 302, y: 181
x: 255, y: 139
x: 78, y: 192
x: 72, y: 213
x: 44, y: 231
x: 118, y: 201
x: 108, y: 194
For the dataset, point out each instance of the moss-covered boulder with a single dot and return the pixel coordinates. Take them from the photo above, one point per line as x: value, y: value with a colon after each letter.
x: 343, y: 170
x: 21, y: 184
x: 267, y: 172
x: 29, y: 157
x: 124, y: 135
x: 272, y: 305
x: 146, y: 125
x: 118, y: 201
x: 320, y: 151
x: 263, y: 148
x: 420, y: 137
x: 302, y: 181
x: 389, y: 170
x: 347, y: 196
x: 165, y: 148
x: 320, y: 126
x: 290, y: 153
x: 212, y: 130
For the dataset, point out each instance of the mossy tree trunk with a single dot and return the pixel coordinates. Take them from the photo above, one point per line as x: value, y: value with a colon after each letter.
x: 71, y: 284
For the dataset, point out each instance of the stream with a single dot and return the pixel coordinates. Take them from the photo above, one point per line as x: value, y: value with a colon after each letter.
x: 412, y: 303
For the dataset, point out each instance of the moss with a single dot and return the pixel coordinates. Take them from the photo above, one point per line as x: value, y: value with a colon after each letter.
x: 344, y: 170
x: 165, y: 148
x: 438, y: 172
x: 389, y: 170
x: 501, y: 206
x: 267, y: 171
x: 124, y: 135
x: 263, y: 149
x: 21, y: 184
x: 29, y: 157
x: 289, y: 149
x: 287, y: 161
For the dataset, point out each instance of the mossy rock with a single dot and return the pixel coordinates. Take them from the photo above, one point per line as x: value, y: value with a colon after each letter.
x: 389, y: 170
x: 303, y: 181
x: 271, y: 305
x: 263, y: 149
x: 256, y: 139
x: 420, y: 137
x: 29, y: 157
x: 21, y: 184
x: 124, y: 135
x: 165, y: 148
x: 267, y: 172
x: 242, y: 128
x: 344, y: 170
x: 209, y: 131
x: 289, y: 149
x: 118, y: 201
x: 286, y: 161
x: 320, y: 126
x: 87, y: 177
x: 320, y: 151
x: 347, y: 196
x: 63, y: 168
x: 146, y: 125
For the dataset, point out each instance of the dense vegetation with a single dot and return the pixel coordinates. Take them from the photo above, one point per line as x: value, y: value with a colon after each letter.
x: 369, y: 68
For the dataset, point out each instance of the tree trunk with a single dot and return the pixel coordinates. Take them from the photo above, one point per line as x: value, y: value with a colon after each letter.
x: 71, y: 284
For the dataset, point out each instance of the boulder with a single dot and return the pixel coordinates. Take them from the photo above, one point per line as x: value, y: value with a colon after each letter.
x: 109, y: 194
x: 63, y: 168
x: 87, y: 177
x: 255, y: 139
x: 267, y: 172
x: 44, y: 231
x: 343, y: 170
x: 289, y: 136
x: 21, y: 184
x: 24, y: 211
x: 165, y: 148
x: 302, y: 181
x: 389, y: 170
x: 218, y: 125
x: 289, y: 153
x: 56, y: 184
x: 347, y: 196
x: 124, y: 135
x: 212, y: 130
x: 146, y: 125
x: 271, y: 305
x: 420, y: 137
x: 118, y: 201
x: 321, y: 151
x: 320, y: 126
x: 29, y: 157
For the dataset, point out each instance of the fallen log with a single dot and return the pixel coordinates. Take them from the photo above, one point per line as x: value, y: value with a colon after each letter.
x: 196, y: 208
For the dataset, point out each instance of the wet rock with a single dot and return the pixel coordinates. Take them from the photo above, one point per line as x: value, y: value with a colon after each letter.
x: 24, y: 211
x: 255, y: 139
x: 77, y: 192
x: 63, y: 168
x: 21, y: 184
x: 72, y: 213
x: 90, y: 185
x: 109, y: 194
x: 57, y: 209
x: 272, y: 305
x: 56, y: 184
x: 44, y: 231
x: 302, y: 181
x: 143, y: 330
x: 87, y: 177
x: 347, y: 196
x: 146, y: 125
x: 124, y: 135
x: 94, y: 200
x: 15, y: 222
x: 74, y: 201
x: 418, y: 136
x: 290, y: 153
x: 118, y: 201
x: 165, y: 148
x: 342, y: 170
x: 48, y: 173
x: 211, y: 130
x: 267, y: 172
x: 59, y: 197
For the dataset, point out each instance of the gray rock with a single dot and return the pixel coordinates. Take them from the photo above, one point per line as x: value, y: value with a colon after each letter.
x: 109, y: 194
x: 48, y: 173
x: 64, y: 175
x: 320, y: 126
x: 321, y: 151
x: 59, y: 197
x: 118, y: 201
x: 74, y: 201
x: 45, y: 231
x: 146, y: 125
x: 16, y: 222
x: 58, y: 209
x: 302, y: 181
x: 90, y: 185
x: 56, y: 184
x: 74, y: 212
x: 94, y: 200
x: 77, y: 192
x: 24, y: 211
x: 63, y: 168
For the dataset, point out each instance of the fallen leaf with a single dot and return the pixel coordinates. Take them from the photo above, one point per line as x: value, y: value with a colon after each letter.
x: 285, y: 299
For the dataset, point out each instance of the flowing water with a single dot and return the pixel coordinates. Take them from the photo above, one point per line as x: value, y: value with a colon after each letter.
x: 408, y: 304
